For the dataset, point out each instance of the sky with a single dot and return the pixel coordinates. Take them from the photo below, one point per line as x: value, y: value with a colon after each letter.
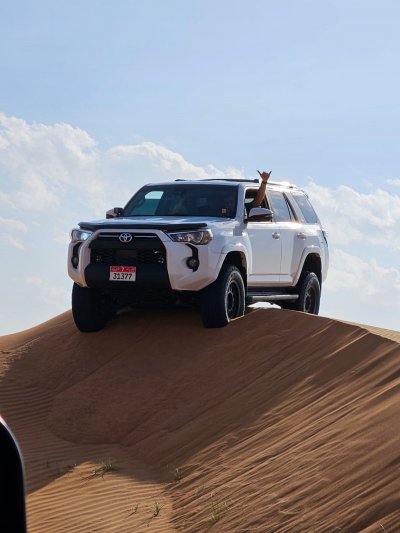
x: 99, y: 98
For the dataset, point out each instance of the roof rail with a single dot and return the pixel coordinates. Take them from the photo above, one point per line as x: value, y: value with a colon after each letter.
x: 247, y: 180
x: 283, y: 184
x: 256, y: 180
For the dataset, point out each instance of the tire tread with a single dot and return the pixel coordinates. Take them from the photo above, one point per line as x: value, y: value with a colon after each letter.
x: 213, y: 298
x: 88, y: 309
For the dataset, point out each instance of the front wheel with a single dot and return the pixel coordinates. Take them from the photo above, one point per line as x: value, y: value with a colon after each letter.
x: 88, y: 309
x: 223, y: 300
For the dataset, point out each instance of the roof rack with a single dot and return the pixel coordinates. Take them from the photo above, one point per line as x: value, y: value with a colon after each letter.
x: 283, y: 184
x: 248, y: 180
x: 241, y: 180
x: 256, y: 180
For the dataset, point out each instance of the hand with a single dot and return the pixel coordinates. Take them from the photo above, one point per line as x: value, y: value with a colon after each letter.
x: 264, y: 175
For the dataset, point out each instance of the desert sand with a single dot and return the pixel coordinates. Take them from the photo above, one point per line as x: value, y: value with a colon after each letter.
x: 280, y: 422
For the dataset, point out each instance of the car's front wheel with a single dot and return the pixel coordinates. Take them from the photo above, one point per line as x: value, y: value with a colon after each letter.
x: 88, y: 309
x: 223, y: 300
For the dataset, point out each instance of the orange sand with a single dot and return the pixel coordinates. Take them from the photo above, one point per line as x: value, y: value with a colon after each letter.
x: 280, y: 422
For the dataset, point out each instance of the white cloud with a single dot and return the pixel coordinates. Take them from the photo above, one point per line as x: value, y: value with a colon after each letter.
x: 42, y: 166
x: 395, y: 182
x: 5, y: 199
x: 362, y: 291
x: 366, y: 278
x: 13, y: 224
x: 35, y: 194
x: 172, y: 163
x: 6, y: 238
x: 40, y: 163
x: 351, y: 216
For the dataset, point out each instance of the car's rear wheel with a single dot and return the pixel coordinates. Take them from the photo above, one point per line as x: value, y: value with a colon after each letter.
x: 223, y: 300
x: 309, y: 291
x: 88, y: 309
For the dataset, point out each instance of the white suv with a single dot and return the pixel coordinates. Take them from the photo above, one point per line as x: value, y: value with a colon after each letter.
x: 201, y: 243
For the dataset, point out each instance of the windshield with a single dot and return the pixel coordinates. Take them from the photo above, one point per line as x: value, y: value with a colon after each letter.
x: 184, y: 200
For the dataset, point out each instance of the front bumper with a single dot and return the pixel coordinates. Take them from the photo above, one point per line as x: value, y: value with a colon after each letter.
x: 103, y: 249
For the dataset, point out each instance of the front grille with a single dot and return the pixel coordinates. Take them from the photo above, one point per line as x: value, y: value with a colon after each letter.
x: 127, y: 257
x: 145, y: 249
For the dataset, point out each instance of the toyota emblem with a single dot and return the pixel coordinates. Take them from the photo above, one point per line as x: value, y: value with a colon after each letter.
x: 125, y: 237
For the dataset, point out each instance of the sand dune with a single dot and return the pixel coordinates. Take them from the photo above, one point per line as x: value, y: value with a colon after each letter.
x: 280, y: 422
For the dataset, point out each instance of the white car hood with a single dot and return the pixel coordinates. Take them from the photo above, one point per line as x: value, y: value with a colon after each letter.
x: 125, y: 222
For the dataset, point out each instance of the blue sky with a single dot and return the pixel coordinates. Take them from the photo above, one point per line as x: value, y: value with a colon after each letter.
x: 308, y: 89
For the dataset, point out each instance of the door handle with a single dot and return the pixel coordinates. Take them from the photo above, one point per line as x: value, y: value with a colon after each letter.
x: 301, y: 235
x: 276, y: 235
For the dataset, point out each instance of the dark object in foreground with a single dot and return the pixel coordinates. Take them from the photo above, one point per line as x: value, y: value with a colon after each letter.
x: 12, y: 491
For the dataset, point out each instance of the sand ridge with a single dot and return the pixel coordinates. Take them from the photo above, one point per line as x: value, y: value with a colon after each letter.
x: 279, y: 422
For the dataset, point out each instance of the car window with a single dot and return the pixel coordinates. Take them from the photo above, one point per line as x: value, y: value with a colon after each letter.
x: 310, y: 216
x: 249, y: 198
x: 280, y: 207
x: 147, y: 202
x: 184, y: 200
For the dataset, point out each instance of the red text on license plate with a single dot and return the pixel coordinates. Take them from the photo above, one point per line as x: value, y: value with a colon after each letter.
x: 122, y: 273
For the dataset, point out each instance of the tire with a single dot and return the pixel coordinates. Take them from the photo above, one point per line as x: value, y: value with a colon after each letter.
x: 223, y: 300
x: 309, y: 291
x: 88, y: 309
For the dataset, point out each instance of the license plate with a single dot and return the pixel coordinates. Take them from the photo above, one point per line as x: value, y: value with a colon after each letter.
x: 122, y: 273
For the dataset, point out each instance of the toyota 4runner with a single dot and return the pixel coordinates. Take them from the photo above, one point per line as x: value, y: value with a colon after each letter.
x: 200, y: 243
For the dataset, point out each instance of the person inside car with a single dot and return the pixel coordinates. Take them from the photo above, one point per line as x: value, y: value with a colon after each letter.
x: 258, y: 200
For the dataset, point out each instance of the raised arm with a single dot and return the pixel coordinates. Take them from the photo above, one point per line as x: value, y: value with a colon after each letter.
x: 261, y: 191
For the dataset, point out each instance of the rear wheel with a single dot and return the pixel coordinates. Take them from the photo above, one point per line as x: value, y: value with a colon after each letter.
x: 223, y: 300
x: 309, y: 291
x: 88, y: 309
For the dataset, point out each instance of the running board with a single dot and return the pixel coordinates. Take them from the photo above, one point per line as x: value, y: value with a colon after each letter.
x: 263, y: 297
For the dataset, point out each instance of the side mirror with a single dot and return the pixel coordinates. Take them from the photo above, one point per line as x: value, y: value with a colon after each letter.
x: 260, y: 214
x: 115, y: 212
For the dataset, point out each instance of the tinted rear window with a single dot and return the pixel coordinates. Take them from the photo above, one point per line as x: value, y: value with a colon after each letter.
x: 280, y: 207
x: 310, y: 216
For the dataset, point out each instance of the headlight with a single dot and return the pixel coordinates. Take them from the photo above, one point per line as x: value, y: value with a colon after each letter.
x: 78, y: 235
x: 193, y: 237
